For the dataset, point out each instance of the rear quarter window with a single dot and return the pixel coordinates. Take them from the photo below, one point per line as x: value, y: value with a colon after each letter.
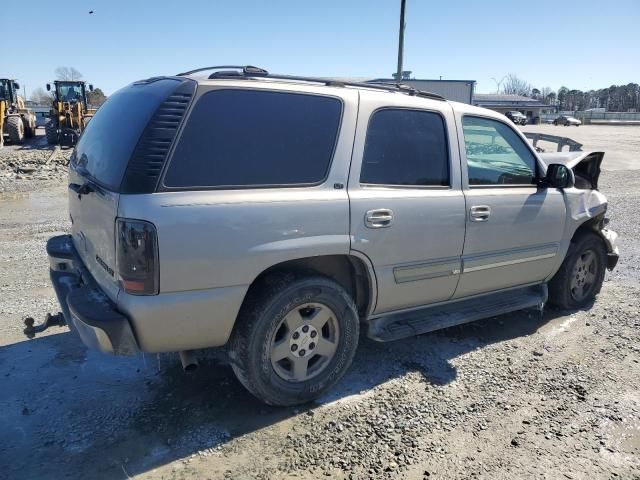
x: 106, y: 145
x: 243, y: 138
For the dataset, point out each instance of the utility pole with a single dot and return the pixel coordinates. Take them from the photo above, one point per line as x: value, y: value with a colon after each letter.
x: 400, y: 41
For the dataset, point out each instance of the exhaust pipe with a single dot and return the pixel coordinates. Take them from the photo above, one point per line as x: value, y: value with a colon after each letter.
x: 188, y: 360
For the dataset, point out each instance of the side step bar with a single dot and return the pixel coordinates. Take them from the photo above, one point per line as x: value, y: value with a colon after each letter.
x: 407, y: 324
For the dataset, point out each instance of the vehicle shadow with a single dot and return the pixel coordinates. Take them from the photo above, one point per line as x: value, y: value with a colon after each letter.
x: 65, y: 411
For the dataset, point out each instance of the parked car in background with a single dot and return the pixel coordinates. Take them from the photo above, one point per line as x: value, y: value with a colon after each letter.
x: 278, y: 215
x: 516, y: 117
x: 567, y: 121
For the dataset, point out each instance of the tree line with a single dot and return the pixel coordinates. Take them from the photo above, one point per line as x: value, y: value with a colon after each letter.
x: 616, y: 98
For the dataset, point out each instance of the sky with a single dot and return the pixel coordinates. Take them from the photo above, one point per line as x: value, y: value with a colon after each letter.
x: 585, y: 44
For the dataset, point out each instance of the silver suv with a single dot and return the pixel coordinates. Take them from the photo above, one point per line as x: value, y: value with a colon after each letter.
x: 280, y: 215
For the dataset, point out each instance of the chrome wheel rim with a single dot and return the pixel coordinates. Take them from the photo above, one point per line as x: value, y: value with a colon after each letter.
x: 304, y: 342
x: 584, y: 275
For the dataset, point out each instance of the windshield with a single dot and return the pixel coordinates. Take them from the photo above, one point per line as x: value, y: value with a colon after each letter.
x: 4, y: 89
x: 70, y: 92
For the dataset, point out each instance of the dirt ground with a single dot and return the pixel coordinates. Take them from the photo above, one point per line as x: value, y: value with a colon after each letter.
x: 523, y: 395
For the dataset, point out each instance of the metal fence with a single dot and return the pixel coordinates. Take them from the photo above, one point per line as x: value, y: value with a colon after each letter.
x: 596, y: 117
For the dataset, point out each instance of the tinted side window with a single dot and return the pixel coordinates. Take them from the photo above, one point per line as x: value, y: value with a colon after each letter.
x: 405, y: 147
x: 256, y: 138
x: 496, y: 155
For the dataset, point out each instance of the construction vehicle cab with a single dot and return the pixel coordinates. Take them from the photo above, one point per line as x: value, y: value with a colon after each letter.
x: 70, y: 112
x: 16, y: 121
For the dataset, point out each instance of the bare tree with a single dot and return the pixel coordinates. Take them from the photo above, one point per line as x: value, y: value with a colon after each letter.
x: 516, y: 86
x: 40, y: 97
x: 544, y: 92
x: 68, y: 73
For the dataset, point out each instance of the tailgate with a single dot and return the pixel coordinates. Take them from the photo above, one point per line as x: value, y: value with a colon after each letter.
x: 93, y: 217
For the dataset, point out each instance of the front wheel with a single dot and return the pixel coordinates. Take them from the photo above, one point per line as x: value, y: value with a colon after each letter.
x: 51, y: 132
x: 15, y: 129
x: 581, y: 275
x: 295, y: 337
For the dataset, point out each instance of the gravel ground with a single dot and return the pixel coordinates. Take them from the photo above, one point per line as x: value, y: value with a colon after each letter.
x: 517, y: 396
x: 32, y: 166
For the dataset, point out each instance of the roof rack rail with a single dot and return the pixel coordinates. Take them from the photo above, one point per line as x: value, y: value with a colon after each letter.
x: 249, y: 71
x: 245, y: 69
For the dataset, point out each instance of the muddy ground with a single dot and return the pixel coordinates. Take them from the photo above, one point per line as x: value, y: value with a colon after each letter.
x: 517, y: 396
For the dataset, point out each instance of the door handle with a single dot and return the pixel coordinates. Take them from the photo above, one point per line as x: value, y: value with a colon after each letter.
x: 479, y: 213
x: 379, y: 218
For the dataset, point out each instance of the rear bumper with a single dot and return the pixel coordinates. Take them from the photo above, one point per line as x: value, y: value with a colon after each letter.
x: 86, y: 309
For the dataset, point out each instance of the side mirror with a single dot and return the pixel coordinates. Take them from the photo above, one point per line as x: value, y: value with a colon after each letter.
x: 48, y: 87
x: 90, y: 88
x: 559, y: 176
x: 16, y: 85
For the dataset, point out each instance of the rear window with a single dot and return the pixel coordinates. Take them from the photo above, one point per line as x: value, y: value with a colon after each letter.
x: 405, y: 147
x: 239, y: 138
x: 104, y: 149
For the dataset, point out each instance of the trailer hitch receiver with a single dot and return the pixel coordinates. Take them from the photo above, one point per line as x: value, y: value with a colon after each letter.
x: 56, y: 320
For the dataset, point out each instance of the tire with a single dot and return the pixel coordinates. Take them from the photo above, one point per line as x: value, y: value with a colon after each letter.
x: 555, y: 123
x: 579, y: 279
x: 51, y: 132
x: 264, y: 341
x: 29, y: 130
x: 15, y: 129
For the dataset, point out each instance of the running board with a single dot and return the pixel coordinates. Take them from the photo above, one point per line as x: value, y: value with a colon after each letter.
x: 427, y: 319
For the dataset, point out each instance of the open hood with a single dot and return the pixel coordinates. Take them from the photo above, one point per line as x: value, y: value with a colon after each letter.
x: 585, y: 166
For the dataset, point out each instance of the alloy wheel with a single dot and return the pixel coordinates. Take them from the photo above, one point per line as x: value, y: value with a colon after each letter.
x: 584, y: 275
x: 304, y: 342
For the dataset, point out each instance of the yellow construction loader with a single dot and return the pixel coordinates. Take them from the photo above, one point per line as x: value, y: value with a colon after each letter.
x: 16, y: 121
x: 70, y: 112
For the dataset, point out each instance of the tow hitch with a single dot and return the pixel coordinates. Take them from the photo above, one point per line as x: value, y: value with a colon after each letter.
x: 56, y: 320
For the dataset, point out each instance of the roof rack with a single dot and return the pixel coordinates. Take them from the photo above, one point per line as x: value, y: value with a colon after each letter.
x: 249, y: 71
x: 245, y: 69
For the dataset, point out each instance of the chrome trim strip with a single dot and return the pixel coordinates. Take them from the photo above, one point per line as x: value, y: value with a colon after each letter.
x: 508, y: 262
x: 425, y: 271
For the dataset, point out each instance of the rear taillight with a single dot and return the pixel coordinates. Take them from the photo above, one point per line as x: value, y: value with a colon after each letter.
x: 137, y: 256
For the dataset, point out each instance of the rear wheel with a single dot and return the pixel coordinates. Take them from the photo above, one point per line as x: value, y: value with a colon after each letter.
x: 295, y: 337
x: 29, y: 127
x: 51, y: 131
x: 15, y: 129
x: 580, y: 277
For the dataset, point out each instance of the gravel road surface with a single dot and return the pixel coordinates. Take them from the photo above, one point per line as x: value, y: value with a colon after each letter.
x: 523, y: 395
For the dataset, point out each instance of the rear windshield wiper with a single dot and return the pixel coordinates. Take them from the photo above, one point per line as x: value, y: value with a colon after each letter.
x: 83, y: 189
